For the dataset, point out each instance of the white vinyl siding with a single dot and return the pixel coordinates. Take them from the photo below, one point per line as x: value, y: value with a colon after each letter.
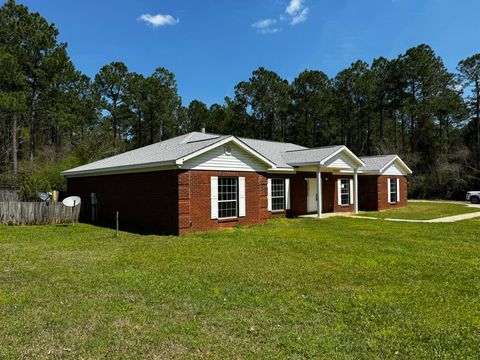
x: 394, y: 170
x: 269, y: 194
x: 340, y: 161
x: 214, y: 197
x: 241, y: 197
x: 218, y: 159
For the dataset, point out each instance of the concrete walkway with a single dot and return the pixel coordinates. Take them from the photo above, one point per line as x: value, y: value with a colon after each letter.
x: 447, y: 219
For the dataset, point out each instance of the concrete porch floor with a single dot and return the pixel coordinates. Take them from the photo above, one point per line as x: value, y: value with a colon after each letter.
x: 327, y: 215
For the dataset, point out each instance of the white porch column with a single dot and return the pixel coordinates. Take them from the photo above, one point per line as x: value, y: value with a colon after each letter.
x: 319, y: 193
x: 355, y: 190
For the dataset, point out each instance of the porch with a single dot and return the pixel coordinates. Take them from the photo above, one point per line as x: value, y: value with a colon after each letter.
x: 326, y: 181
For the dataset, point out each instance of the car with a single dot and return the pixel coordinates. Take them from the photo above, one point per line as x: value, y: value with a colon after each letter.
x: 473, y: 197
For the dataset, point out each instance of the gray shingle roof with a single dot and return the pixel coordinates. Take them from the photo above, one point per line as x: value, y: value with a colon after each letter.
x: 282, y: 155
x: 376, y: 163
x: 306, y: 155
x: 272, y: 150
x: 176, y: 148
x: 161, y: 152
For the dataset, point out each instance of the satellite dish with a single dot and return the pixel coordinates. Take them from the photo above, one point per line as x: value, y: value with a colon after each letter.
x: 71, y: 201
x: 44, y: 196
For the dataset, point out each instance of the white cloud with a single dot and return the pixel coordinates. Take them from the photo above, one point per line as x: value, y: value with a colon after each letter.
x: 294, y: 7
x: 265, y: 23
x: 298, y: 11
x: 295, y: 13
x: 266, y: 26
x: 300, y: 17
x: 269, y: 30
x: 158, y: 20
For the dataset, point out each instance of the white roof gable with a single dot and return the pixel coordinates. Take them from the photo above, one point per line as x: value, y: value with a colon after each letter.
x: 385, y: 165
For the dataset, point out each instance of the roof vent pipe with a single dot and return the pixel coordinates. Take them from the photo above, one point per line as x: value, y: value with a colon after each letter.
x: 203, y: 130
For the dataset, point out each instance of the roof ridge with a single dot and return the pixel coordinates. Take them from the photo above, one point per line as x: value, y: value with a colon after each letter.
x: 372, y: 156
x: 271, y: 141
x: 314, y: 148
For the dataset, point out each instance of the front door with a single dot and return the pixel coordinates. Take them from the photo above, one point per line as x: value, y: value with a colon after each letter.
x: 311, y: 195
x: 328, y: 188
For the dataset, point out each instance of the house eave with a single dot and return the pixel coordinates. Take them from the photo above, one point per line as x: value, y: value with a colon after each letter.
x: 125, y: 169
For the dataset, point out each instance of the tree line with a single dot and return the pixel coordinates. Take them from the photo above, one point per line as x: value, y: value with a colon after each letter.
x: 53, y: 117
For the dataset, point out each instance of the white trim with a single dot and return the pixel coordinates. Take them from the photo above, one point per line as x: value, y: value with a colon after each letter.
x: 241, y: 197
x: 319, y: 193
x: 269, y: 194
x: 396, y: 158
x: 287, y: 194
x: 282, y: 171
x: 355, y: 190
x: 398, y: 190
x: 339, y: 192
x: 349, y: 153
x: 233, y: 139
x: 351, y: 192
x: 389, y: 192
x: 124, y: 169
x: 214, y: 197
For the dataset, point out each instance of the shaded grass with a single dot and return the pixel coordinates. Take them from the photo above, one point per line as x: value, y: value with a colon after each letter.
x: 336, y: 288
x: 422, y: 211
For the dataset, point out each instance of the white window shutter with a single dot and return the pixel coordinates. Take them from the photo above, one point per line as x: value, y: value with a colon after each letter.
x: 398, y: 190
x: 388, y: 188
x: 241, y: 197
x: 269, y: 194
x: 339, y: 191
x: 214, y: 197
x: 351, y: 191
x: 287, y: 194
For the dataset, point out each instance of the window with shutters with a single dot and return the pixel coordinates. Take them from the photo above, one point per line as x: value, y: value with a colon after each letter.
x: 393, y: 190
x: 278, y: 194
x: 344, y: 191
x: 227, y: 197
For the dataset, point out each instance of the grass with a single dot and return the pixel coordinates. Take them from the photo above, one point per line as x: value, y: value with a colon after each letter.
x: 340, y: 288
x: 422, y: 211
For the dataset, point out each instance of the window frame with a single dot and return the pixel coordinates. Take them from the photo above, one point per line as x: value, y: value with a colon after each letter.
x: 236, y: 200
x: 393, y: 193
x: 283, y: 196
x: 347, y: 187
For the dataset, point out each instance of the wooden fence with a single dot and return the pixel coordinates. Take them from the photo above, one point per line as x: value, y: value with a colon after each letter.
x: 9, y: 195
x: 36, y: 213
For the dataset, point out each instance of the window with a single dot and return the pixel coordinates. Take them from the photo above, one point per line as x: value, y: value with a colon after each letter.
x: 344, y: 191
x: 278, y: 194
x: 227, y: 197
x: 393, y: 190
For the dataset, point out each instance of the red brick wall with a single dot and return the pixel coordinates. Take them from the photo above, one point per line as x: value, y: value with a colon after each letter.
x: 194, y: 200
x: 368, y: 192
x: 145, y: 201
x: 373, y: 190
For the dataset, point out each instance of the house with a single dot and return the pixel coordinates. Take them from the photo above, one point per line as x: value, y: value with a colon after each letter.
x: 202, y: 181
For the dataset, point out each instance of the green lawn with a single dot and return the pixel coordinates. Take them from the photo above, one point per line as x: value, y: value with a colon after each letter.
x: 343, y: 288
x: 422, y: 211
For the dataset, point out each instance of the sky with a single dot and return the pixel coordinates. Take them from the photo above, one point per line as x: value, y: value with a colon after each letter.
x: 211, y: 45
